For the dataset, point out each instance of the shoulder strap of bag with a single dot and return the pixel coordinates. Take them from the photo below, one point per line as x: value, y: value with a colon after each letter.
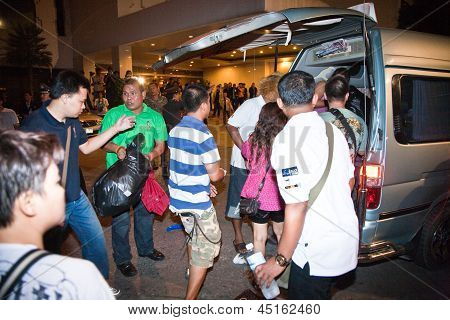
x: 261, y: 185
x: 66, y: 156
x: 314, y: 193
x: 16, y: 272
x: 338, y: 114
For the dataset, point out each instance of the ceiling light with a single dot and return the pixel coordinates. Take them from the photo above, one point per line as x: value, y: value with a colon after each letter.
x: 295, y: 48
x: 254, y: 69
x: 192, y: 62
x: 232, y: 55
x: 191, y: 36
x: 152, y: 44
x: 129, y: 57
x: 270, y: 47
x: 171, y: 73
x: 218, y: 64
x: 190, y: 65
x: 159, y: 58
x: 141, y: 80
x: 234, y: 51
x: 235, y: 66
x: 261, y: 51
x: 176, y: 70
x: 249, y: 71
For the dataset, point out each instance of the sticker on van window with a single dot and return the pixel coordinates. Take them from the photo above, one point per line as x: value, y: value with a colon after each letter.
x: 333, y: 47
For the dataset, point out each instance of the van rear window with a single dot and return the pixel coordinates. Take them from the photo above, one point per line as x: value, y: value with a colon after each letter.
x: 421, y: 108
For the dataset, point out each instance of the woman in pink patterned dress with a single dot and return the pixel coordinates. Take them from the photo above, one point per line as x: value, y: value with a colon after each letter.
x: 256, y: 151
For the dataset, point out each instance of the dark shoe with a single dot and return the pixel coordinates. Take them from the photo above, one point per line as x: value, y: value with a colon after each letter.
x: 240, y: 247
x: 127, y: 269
x: 155, y: 255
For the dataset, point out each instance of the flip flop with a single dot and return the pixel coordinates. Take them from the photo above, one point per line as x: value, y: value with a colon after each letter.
x: 240, y: 247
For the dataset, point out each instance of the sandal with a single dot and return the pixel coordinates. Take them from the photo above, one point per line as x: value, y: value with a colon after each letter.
x: 240, y: 247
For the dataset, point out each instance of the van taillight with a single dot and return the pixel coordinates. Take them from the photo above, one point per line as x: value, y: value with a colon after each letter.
x: 373, y: 198
x: 374, y: 177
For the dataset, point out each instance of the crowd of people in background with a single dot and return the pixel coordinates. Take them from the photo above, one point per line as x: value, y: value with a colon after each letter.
x: 261, y: 123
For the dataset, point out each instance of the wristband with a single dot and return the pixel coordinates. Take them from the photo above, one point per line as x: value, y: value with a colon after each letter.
x: 118, y: 148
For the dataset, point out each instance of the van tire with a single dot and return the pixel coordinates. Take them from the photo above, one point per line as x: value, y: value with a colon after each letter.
x: 433, y: 250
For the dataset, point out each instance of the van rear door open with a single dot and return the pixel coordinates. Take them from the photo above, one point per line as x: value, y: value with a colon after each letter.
x: 307, y: 25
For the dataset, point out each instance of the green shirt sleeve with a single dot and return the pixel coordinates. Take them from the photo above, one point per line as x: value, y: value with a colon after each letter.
x: 161, y: 129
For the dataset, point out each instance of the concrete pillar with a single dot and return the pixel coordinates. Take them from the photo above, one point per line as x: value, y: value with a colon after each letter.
x: 122, y: 59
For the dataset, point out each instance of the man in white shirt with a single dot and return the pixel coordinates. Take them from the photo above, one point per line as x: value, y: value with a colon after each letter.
x: 321, y: 240
x: 240, y: 126
x: 8, y: 118
x: 32, y: 202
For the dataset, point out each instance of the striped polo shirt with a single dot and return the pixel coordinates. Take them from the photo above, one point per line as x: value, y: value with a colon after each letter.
x: 191, y: 146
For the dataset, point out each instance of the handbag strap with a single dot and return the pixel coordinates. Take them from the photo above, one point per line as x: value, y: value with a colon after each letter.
x: 17, y: 271
x: 261, y: 185
x: 338, y: 114
x: 315, y: 191
x: 66, y: 156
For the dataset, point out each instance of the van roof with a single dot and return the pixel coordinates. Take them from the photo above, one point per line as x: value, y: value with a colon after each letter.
x: 415, y: 49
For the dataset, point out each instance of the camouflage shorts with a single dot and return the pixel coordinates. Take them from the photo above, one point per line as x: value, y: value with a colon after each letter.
x: 205, y: 243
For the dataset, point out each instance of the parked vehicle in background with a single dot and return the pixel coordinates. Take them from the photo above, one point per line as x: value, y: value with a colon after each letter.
x: 403, y: 204
x: 90, y: 122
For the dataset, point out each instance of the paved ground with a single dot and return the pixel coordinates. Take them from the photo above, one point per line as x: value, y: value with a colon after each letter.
x: 396, y: 279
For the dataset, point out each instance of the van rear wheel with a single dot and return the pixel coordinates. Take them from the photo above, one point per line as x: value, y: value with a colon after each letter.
x: 434, y: 244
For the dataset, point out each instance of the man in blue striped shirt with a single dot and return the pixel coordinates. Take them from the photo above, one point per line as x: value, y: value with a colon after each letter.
x: 194, y: 163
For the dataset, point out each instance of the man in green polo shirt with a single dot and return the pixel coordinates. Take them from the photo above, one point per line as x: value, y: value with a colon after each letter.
x: 151, y: 124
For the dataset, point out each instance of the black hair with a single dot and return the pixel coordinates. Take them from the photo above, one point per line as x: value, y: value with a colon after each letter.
x: 296, y: 88
x: 24, y: 160
x: 193, y: 96
x: 67, y: 82
x: 343, y: 72
x: 336, y: 88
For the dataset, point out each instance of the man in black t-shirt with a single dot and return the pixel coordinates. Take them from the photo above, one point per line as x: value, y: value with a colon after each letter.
x: 69, y: 92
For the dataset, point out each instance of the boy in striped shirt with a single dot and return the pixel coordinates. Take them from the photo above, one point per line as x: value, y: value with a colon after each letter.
x: 194, y: 163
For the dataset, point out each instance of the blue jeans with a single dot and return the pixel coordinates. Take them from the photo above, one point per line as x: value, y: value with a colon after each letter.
x: 81, y: 217
x: 143, y: 234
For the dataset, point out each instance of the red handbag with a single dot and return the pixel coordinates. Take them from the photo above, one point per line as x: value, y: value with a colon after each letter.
x: 153, y: 196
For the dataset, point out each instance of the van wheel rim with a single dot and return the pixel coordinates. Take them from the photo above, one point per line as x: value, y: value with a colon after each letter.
x: 441, y: 241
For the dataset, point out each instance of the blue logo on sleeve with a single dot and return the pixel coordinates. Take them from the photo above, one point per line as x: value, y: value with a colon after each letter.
x: 288, y: 172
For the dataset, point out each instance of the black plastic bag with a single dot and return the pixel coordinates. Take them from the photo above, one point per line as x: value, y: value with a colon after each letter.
x: 121, y: 185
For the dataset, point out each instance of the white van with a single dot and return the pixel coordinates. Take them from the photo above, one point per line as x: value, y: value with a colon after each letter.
x: 403, y: 204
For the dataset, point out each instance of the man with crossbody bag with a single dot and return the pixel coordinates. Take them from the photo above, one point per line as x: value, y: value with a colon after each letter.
x: 319, y: 241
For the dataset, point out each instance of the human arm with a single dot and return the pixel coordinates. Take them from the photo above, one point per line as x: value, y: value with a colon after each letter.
x: 157, y: 150
x: 294, y: 221
x: 215, y: 172
x: 235, y: 135
x: 97, y: 142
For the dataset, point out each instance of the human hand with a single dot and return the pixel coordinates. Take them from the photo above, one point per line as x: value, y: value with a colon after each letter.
x: 125, y: 123
x: 266, y: 272
x: 121, y: 152
x: 213, y: 191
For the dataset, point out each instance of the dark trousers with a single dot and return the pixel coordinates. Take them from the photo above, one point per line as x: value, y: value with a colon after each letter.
x: 217, y: 109
x: 143, y: 234
x: 303, y: 286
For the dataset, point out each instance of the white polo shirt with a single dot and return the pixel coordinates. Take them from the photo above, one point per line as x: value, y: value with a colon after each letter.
x: 329, y: 240
x: 245, y: 119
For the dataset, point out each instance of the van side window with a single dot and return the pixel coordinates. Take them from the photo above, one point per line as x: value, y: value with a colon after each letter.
x: 421, y: 108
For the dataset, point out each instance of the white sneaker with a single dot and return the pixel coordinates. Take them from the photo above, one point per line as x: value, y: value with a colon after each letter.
x: 115, y: 291
x: 239, y: 259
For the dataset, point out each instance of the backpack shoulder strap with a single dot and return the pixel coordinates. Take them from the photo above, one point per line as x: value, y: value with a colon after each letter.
x: 17, y: 271
x: 338, y: 114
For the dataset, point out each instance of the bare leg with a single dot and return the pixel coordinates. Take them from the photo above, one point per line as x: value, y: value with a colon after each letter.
x: 196, y: 277
x: 260, y: 237
x: 278, y: 229
x: 237, y: 226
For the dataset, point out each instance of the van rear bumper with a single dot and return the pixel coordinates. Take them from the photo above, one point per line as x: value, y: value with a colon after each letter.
x: 378, y: 251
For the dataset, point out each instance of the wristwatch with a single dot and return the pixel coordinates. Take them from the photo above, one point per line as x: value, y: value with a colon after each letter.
x: 281, y: 260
